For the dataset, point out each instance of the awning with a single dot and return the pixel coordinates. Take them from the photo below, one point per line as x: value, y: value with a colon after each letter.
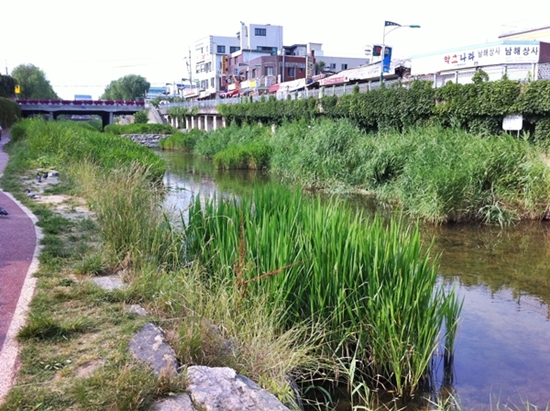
x: 273, y: 88
x: 229, y: 94
x: 362, y: 73
x: 293, y: 85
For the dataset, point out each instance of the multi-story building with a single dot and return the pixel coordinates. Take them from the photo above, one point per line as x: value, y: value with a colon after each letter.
x: 255, y: 60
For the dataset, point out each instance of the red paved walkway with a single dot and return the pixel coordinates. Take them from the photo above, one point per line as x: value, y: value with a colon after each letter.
x: 17, y: 248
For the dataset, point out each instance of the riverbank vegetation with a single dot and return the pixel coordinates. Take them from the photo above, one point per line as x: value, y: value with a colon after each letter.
x: 321, y: 291
x: 478, y: 107
x: 370, y: 283
x: 280, y: 287
x: 435, y: 173
x: 10, y: 112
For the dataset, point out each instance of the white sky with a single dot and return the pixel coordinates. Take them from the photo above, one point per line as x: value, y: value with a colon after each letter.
x: 83, y: 46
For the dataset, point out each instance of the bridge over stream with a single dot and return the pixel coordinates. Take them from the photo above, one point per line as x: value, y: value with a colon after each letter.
x: 106, y: 109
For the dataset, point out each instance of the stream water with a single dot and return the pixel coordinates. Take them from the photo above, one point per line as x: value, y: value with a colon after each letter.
x: 502, y: 350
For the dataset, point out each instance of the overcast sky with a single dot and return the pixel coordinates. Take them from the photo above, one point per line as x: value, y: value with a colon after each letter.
x: 83, y: 46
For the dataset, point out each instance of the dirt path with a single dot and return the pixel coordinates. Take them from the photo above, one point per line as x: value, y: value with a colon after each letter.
x: 18, y: 261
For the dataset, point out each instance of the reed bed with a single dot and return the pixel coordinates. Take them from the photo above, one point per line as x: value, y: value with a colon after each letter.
x: 433, y: 173
x: 371, y: 282
x: 182, y: 141
x: 218, y: 140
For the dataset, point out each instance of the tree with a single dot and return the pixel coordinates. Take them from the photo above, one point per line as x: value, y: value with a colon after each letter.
x: 7, y: 86
x: 33, y: 82
x: 130, y: 87
x: 319, y: 67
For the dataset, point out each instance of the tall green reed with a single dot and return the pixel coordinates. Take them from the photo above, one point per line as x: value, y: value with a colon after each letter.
x: 369, y: 280
x: 132, y: 225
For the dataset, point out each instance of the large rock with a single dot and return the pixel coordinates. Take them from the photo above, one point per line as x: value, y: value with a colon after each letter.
x: 221, y: 389
x: 150, y: 346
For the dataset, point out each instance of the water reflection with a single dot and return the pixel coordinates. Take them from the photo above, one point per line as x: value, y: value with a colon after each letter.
x: 502, y: 353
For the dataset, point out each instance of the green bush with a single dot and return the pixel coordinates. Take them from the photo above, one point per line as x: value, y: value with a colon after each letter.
x: 141, y: 117
x: 10, y: 112
x: 182, y: 141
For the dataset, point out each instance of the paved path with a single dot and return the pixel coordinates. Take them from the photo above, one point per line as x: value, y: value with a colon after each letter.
x: 18, y: 261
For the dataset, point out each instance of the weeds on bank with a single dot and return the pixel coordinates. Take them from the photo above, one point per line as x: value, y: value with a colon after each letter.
x: 75, y: 354
x: 433, y: 173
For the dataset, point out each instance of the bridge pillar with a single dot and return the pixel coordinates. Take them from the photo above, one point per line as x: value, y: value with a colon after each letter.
x: 51, y: 116
x: 187, y: 122
x: 111, y: 118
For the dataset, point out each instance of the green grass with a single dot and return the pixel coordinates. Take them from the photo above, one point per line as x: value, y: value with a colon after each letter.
x: 432, y: 173
x: 371, y: 283
x: 182, y: 141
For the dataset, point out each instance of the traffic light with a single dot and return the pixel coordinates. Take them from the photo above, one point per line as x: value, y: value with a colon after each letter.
x: 377, y: 50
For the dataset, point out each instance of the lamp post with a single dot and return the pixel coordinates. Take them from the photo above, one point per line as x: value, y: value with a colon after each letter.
x: 394, y: 26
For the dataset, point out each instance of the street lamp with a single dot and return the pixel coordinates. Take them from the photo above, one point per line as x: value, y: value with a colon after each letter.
x: 394, y: 26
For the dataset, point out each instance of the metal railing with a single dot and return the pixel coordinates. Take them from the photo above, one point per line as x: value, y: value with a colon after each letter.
x: 315, y: 93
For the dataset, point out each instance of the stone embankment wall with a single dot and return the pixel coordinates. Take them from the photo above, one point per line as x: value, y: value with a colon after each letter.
x: 147, y: 140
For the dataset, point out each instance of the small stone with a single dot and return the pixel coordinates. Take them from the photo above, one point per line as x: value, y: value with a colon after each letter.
x: 137, y: 309
x: 150, y: 346
x: 109, y: 283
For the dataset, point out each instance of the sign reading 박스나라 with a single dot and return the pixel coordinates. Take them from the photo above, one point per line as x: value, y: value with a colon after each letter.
x: 504, y: 52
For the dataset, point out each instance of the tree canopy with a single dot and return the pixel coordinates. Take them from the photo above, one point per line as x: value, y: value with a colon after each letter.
x: 7, y: 86
x: 33, y: 82
x: 130, y: 87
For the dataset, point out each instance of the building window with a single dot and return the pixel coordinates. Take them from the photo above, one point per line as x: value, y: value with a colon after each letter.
x: 344, y: 66
x: 260, y: 32
x: 270, y: 50
x: 291, y: 71
x: 233, y: 49
x: 332, y: 66
x: 269, y: 71
x: 212, y: 82
x: 221, y: 49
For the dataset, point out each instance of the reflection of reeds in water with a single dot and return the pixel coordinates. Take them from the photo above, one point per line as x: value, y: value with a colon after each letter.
x: 368, y: 279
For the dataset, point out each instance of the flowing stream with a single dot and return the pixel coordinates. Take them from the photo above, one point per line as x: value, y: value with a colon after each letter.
x: 502, y: 350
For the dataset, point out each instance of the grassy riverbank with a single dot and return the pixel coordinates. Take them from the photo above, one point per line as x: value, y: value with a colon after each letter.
x: 433, y: 173
x: 297, y: 290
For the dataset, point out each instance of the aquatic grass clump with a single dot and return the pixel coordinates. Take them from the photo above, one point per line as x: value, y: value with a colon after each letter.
x: 320, y: 153
x: 218, y: 140
x: 434, y: 173
x: 251, y: 155
x: 371, y: 282
x: 182, y: 141
x: 451, y: 175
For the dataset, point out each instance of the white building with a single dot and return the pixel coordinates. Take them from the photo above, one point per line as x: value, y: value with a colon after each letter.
x: 255, y: 59
x: 208, y: 68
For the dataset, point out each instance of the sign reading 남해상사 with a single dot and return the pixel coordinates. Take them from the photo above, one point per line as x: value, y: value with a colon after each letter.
x: 503, y: 52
